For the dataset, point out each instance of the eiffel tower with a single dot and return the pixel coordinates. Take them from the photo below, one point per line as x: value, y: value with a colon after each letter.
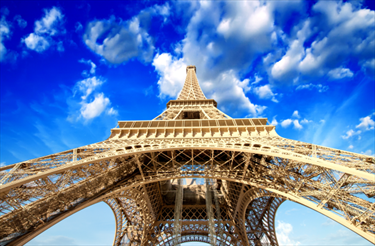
x: 191, y: 174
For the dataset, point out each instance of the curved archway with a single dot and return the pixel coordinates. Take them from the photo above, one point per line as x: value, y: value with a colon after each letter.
x: 223, y: 171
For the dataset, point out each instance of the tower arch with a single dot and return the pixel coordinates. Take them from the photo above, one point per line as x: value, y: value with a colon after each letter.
x: 246, y: 159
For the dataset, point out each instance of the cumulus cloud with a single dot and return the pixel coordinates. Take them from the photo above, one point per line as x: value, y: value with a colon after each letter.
x: 257, y: 79
x: 4, y: 34
x: 366, y: 123
x: 50, y: 25
x: 340, y: 73
x: 92, y: 70
x: 265, y: 92
x: 112, y: 111
x: 87, y: 86
x: 222, y: 41
x: 350, y: 133
x: 119, y: 41
x: 122, y: 42
x: 351, y: 147
x: 297, y: 125
x: 283, y: 231
x: 94, y: 108
x: 305, y: 121
x: 294, y: 120
x: 172, y: 73
x: 345, y: 33
x: 92, y: 102
x: 235, y: 33
x: 286, y: 123
x: 295, y: 114
x: 226, y: 88
x: 286, y: 69
x: 36, y: 42
x: 310, y: 86
x: 274, y: 121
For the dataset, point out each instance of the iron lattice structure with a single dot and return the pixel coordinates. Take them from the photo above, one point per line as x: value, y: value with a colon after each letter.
x: 249, y: 171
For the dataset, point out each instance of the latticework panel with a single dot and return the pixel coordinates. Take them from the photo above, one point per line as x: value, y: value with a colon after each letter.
x: 330, y: 186
x: 191, y: 89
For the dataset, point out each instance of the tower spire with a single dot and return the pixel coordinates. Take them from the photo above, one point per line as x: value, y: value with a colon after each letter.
x: 191, y: 103
x: 249, y: 171
x: 191, y: 89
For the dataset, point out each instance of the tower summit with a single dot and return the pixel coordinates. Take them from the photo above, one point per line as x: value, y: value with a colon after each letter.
x: 248, y: 171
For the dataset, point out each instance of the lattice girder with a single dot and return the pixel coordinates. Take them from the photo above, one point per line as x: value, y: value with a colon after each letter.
x: 289, y: 178
x: 190, y: 139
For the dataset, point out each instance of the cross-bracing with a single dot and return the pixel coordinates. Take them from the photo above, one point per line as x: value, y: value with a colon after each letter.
x: 247, y: 168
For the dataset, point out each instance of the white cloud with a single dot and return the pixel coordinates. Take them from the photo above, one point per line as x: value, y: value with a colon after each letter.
x: 172, y: 73
x: 226, y: 88
x: 286, y: 69
x: 350, y: 133
x: 124, y: 40
x: 87, y: 86
x: 36, y: 42
x: 350, y: 33
x: 93, y: 67
x: 265, y: 92
x: 366, y: 123
x: 286, y: 123
x: 237, y: 32
x: 283, y: 231
x: 297, y: 125
x: 340, y: 73
x: 222, y: 40
x: 92, y: 102
x: 257, y: 80
x: 340, y: 31
x: 94, y: 108
x: 112, y: 111
x: 21, y: 22
x: 2, y: 164
x: 4, y: 34
x: 351, y: 147
x: 369, y: 66
x: 163, y: 10
x: 305, y: 121
x: 274, y: 121
x: 50, y: 25
x: 229, y: 92
x: 319, y: 87
x: 295, y: 114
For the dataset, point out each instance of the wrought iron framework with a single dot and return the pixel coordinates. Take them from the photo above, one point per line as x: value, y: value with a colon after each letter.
x: 135, y: 171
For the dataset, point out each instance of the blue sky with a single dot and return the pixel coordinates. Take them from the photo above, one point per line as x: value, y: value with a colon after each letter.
x: 71, y: 69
